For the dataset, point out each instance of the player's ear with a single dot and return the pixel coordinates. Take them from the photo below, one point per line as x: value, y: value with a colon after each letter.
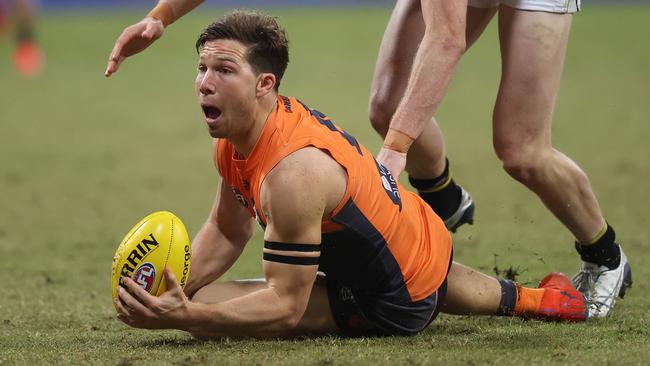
x: 265, y: 84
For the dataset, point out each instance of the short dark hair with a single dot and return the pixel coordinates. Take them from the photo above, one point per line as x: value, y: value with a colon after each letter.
x: 268, y: 47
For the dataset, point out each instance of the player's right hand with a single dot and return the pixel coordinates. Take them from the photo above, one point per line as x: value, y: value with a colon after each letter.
x: 395, y: 161
x: 134, y: 39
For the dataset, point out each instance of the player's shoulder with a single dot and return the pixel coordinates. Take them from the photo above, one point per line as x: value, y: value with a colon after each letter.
x: 307, y: 165
x: 307, y: 173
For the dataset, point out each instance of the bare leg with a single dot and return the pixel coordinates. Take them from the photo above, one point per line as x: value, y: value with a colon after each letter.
x: 470, y: 292
x: 426, y: 157
x: 25, y: 15
x: 533, y: 46
x: 28, y: 57
x: 317, y: 319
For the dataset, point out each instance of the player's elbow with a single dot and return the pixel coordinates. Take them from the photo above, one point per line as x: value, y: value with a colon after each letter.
x: 290, y: 317
x: 289, y: 323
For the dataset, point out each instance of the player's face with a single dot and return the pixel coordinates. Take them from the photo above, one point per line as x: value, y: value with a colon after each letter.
x: 225, y: 85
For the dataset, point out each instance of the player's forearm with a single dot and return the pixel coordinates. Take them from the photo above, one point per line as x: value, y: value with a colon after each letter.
x: 431, y: 74
x: 168, y: 11
x: 261, y: 314
x: 213, y: 253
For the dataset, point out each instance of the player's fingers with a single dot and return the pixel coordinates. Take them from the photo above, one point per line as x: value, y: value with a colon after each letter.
x: 110, y: 68
x: 170, y: 277
x: 138, y: 293
x: 125, y: 37
x: 133, y: 306
x: 114, y: 58
x: 124, y: 319
x: 122, y: 311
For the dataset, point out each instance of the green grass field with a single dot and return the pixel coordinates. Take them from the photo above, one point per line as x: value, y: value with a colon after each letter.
x: 83, y: 158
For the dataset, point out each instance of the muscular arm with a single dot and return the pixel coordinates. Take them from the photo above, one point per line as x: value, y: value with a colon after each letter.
x: 433, y: 67
x: 294, y: 198
x: 220, y: 241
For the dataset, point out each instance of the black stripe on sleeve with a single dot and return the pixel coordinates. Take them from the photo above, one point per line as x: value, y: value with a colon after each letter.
x: 287, y: 259
x: 291, y: 247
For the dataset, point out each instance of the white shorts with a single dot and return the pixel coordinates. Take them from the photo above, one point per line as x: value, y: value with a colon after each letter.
x: 551, y: 6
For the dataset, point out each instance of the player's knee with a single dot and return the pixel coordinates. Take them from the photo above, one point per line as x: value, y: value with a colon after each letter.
x: 380, y: 112
x: 522, y: 164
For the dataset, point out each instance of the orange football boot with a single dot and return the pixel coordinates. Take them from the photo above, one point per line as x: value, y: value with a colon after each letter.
x: 561, y: 301
x: 28, y: 59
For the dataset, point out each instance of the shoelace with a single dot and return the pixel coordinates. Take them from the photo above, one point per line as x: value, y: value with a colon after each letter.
x: 586, y: 279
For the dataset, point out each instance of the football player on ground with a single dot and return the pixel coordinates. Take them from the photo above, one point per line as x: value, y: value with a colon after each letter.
x: 421, y: 47
x: 346, y: 249
x: 418, y: 56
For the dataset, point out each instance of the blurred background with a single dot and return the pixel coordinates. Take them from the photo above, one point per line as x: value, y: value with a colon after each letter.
x: 83, y: 158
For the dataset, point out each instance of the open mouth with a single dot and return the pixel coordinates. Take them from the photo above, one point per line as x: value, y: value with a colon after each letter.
x: 211, y: 113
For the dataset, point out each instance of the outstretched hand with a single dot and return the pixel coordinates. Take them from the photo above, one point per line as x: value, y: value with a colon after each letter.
x: 395, y: 161
x: 139, y: 309
x: 134, y: 39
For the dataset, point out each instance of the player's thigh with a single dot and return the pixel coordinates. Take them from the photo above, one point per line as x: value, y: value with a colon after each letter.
x: 317, y: 318
x: 400, y: 44
x: 477, y: 19
x: 533, y: 46
x: 396, y: 53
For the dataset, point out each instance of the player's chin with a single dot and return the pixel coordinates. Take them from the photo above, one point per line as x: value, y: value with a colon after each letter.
x: 216, y: 132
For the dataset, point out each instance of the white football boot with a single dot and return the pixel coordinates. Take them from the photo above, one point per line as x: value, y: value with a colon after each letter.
x: 601, y: 285
x: 464, y: 213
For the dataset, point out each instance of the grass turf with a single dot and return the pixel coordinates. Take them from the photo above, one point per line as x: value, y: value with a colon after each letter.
x: 83, y: 158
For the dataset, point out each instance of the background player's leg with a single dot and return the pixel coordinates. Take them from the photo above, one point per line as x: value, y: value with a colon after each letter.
x: 426, y: 158
x: 533, y: 46
x: 317, y: 319
x: 426, y: 163
x: 28, y: 57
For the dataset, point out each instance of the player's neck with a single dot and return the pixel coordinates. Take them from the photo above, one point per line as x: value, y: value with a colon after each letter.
x: 265, y: 108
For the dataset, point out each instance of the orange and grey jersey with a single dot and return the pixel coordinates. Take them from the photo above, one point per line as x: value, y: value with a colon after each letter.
x: 381, y: 240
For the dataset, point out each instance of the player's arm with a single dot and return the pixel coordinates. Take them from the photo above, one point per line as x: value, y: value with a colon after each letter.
x: 435, y: 62
x: 293, y: 198
x: 141, y: 35
x: 220, y: 241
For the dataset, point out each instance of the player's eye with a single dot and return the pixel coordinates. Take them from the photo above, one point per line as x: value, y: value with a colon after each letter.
x: 225, y: 70
x: 202, y: 68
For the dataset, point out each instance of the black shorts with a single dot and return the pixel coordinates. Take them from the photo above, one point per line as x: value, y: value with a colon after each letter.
x: 358, y: 314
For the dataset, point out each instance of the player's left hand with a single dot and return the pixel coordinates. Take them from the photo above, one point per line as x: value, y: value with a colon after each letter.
x: 395, y: 161
x: 139, y: 309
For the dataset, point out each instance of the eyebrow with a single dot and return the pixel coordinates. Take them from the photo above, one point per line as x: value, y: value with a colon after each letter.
x: 227, y: 58
x: 221, y: 58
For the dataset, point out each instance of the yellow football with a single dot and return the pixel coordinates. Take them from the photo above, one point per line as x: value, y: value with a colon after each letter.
x: 159, y: 240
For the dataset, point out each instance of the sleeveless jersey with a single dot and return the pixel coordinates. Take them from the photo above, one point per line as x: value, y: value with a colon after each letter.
x: 381, y: 239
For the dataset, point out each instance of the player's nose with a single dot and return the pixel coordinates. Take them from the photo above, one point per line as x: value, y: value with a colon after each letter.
x: 206, y: 83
